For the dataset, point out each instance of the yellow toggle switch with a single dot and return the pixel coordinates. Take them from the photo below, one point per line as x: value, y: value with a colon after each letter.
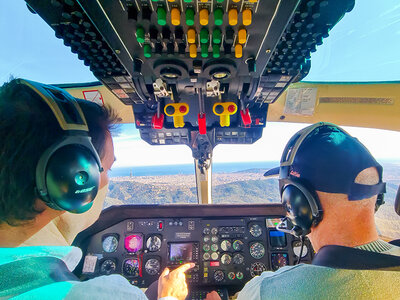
x: 242, y: 36
x: 175, y: 16
x: 191, y: 36
x: 253, y: 1
x: 177, y: 111
x: 193, y: 50
x: 236, y: 0
x: 203, y: 17
x: 247, y: 17
x: 203, y: 0
x: 238, y: 51
x: 233, y: 16
x: 224, y: 110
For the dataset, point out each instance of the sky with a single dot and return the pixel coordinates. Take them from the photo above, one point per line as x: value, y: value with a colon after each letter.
x: 363, y: 46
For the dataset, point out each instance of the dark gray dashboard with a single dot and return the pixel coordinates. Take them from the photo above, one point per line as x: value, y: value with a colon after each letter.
x: 229, y: 244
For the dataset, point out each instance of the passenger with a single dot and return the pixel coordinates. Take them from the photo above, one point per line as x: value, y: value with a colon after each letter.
x: 44, y: 269
x: 331, y: 186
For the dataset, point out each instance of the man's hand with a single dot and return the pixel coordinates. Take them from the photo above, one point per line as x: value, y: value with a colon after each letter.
x: 173, y: 284
x: 213, y: 296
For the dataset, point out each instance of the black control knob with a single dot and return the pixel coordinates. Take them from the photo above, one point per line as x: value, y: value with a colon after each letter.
x: 170, y: 48
x: 146, y: 13
x: 179, y: 34
x: 132, y: 12
x: 166, y: 34
x: 153, y: 34
x: 229, y: 36
x: 158, y: 48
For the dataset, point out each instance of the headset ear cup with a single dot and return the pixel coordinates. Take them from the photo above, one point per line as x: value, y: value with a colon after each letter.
x: 298, y: 207
x: 72, y: 178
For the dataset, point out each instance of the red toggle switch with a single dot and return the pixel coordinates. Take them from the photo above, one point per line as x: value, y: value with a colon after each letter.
x: 246, y: 118
x: 202, y: 123
x: 157, y: 123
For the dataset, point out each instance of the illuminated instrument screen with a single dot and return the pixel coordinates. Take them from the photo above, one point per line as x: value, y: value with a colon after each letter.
x: 181, y: 252
x: 277, y: 238
x: 272, y: 222
x: 134, y: 243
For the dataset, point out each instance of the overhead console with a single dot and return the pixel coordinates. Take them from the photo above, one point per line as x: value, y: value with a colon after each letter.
x: 230, y: 244
x: 196, y: 72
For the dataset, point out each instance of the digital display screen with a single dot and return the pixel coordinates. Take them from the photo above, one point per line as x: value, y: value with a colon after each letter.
x: 181, y: 252
x: 134, y: 243
x: 273, y: 222
x: 277, y: 238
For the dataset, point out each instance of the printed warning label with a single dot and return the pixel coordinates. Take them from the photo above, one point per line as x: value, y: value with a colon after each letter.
x: 357, y: 100
x: 300, y: 101
x: 93, y: 96
x: 89, y: 264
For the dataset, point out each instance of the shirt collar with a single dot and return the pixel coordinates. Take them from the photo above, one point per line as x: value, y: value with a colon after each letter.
x: 378, y: 246
x: 69, y: 254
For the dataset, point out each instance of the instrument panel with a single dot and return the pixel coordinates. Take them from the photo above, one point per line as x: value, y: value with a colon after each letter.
x: 228, y: 250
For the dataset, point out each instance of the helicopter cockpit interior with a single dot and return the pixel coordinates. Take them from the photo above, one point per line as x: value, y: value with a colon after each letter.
x: 203, y: 73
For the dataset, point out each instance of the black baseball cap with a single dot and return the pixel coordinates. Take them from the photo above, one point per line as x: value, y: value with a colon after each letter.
x: 329, y: 160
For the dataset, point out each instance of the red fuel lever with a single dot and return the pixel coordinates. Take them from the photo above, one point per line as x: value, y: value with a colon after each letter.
x: 202, y: 123
x: 246, y: 118
x: 157, y: 123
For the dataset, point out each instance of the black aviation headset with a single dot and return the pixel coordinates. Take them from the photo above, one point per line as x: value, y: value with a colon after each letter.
x: 299, y: 197
x: 68, y: 172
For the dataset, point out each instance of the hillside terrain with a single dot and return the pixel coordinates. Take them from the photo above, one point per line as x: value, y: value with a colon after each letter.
x: 248, y: 186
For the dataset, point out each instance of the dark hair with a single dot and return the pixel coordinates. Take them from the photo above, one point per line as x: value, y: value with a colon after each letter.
x: 27, y: 128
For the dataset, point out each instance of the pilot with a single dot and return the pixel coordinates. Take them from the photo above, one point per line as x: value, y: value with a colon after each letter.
x: 331, y: 187
x: 33, y: 122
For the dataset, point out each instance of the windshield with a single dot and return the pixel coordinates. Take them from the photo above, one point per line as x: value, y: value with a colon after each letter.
x: 361, y: 47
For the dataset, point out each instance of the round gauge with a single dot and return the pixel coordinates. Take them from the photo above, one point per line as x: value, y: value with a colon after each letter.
x: 110, y: 243
x: 206, y: 247
x: 108, y: 267
x: 206, y: 238
x: 131, y: 267
x: 206, y: 230
x: 231, y: 275
x: 214, y: 239
x: 152, y: 266
x: 238, y: 259
x: 133, y: 243
x: 226, y: 245
x: 255, y: 230
x: 214, y: 247
x: 206, y: 256
x: 214, y: 230
x: 297, y: 247
x: 153, y: 243
x: 257, y: 250
x: 239, y: 275
x: 278, y: 260
x: 214, y: 256
x: 237, y: 245
x: 226, y: 259
x: 219, y: 276
x: 257, y: 268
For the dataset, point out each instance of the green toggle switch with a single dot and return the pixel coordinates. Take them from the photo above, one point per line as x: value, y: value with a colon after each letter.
x: 220, y: 1
x: 147, y: 50
x: 161, y: 16
x: 190, y: 17
x: 217, y: 36
x: 216, y: 51
x: 204, y: 35
x: 140, y: 34
x: 204, y: 50
x: 187, y: 1
x: 218, y: 16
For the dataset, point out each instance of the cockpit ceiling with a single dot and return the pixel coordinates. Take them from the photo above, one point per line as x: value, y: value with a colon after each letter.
x: 371, y: 105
